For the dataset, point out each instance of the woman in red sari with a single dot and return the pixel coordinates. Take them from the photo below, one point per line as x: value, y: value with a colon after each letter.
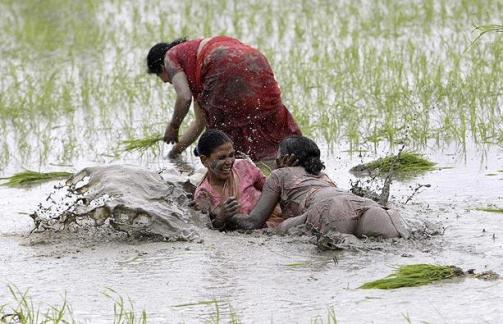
x: 234, y: 90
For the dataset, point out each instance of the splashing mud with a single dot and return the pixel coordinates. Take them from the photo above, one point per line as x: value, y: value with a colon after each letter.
x: 146, y: 204
x: 129, y: 199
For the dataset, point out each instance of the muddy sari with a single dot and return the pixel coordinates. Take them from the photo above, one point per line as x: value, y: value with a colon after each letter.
x: 327, y: 208
x: 235, y: 86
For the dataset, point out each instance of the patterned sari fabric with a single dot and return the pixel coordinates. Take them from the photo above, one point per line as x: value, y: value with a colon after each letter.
x: 245, y: 184
x: 235, y: 86
x: 328, y: 208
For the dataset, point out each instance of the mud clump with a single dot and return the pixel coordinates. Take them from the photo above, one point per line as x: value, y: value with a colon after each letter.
x: 125, y: 198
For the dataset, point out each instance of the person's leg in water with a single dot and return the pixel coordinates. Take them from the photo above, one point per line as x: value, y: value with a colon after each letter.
x: 377, y: 221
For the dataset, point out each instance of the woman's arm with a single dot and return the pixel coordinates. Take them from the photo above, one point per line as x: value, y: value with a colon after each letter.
x: 192, y: 133
x: 182, y: 105
x: 259, y: 214
x: 291, y: 222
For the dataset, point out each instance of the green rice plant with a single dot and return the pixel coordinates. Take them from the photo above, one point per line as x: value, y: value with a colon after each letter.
x: 141, y: 144
x: 25, y: 312
x: 123, y: 313
x: 484, y: 29
x: 414, y: 275
x: 218, y: 316
x: 407, y: 163
x: 491, y: 210
x: 331, y: 318
x: 31, y: 177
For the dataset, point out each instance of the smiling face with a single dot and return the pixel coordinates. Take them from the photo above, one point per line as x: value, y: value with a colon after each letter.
x: 220, y: 161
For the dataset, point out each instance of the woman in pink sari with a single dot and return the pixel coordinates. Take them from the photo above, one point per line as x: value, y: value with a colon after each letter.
x: 230, y: 185
x: 234, y: 90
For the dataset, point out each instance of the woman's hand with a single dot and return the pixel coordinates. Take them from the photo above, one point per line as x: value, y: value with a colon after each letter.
x: 175, y: 151
x: 171, y: 134
x: 287, y: 160
x: 224, y: 211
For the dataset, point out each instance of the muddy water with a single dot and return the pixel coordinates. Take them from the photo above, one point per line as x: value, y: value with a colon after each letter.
x: 277, y: 279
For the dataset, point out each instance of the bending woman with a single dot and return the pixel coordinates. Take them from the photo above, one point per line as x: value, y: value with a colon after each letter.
x: 234, y: 90
x: 230, y: 185
x: 307, y: 195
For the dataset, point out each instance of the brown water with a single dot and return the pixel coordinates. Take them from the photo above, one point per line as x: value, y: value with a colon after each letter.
x: 278, y: 279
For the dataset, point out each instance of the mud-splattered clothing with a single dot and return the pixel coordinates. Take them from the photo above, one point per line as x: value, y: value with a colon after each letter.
x: 235, y: 86
x: 245, y: 184
x: 328, y: 208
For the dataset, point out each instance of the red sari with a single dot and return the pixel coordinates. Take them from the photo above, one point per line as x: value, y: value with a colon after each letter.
x: 235, y: 86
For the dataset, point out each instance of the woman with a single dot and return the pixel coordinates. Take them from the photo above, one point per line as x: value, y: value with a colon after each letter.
x: 234, y: 90
x: 230, y: 185
x: 306, y: 195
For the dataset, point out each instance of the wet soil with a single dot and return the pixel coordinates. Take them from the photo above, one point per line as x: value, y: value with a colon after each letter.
x: 271, y: 278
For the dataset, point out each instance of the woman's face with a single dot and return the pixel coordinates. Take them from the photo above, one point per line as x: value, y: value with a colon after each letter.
x: 220, y: 162
x: 164, y: 75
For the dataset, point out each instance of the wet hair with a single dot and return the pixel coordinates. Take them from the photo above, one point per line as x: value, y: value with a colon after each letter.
x: 305, y: 150
x: 209, y: 141
x: 155, y: 57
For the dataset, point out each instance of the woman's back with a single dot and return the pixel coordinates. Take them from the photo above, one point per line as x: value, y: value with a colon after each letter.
x: 300, y: 190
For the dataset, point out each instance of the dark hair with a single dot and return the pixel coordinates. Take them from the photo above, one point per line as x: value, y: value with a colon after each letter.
x: 209, y: 141
x: 305, y: 150
x: 155, y: 57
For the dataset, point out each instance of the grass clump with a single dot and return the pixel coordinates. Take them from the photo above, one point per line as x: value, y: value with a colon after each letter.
x: 25, y: 312
x: 124, y: 313
x: 407, y: 163
x: 414, y: 275
x: 141, y: 144
x: 31, y: 177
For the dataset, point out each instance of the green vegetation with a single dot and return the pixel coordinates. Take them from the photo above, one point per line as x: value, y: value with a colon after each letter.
x: 123, y: 313
x: 491, y: 210
x: 414, y: 275
x: 141, y: 144
x: 487, y: 29
x: 24, y: 311
x: 217, y: 316
x: 31, y: 177
x: 358, y: 73
x: 330, y: 319
x: 407, y: 163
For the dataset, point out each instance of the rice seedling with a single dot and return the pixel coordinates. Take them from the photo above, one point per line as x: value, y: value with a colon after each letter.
x: 365, y: 70
x: 491, y: 210
x: 406, y: 164
x: 484, y: 29
x: 25, y: 312
x: 219, y: 315
x: 414, y: 275
x: 124, y: 313
x: 330, y: 319
x: 141, y: 144
x: 32, y: 177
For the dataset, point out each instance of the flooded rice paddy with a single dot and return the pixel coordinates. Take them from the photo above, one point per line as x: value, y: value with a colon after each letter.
x: 361, y: 77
